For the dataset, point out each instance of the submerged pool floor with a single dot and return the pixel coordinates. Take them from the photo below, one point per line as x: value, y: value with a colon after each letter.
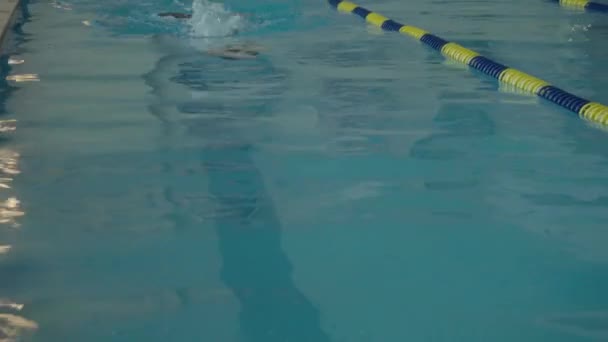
x: 347, y: 185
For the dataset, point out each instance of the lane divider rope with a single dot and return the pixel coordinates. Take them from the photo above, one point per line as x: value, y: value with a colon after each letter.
x: 592, y: 111
x: 583, y: 5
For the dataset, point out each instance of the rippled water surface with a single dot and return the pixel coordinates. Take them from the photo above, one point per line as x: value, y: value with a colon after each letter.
x: 346, y: 185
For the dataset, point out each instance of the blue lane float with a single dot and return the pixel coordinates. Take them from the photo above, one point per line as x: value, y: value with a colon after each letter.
x: 583, y: 5
x: 588, y: 110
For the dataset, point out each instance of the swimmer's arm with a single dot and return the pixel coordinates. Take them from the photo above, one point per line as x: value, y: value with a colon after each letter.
x: 176, y: 15
x: 179, y: 15
x: 224, y: 53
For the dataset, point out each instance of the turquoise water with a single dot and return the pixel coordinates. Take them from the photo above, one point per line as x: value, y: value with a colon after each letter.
x: 347, y: 185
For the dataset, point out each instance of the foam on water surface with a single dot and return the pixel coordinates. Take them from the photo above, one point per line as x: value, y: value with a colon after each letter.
x: 213, y: 20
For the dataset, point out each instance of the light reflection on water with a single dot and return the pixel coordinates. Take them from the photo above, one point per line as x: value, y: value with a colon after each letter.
x: 7, y: 125
x: 10, y: 206
x: 12, y: 326
x: 10, y: 305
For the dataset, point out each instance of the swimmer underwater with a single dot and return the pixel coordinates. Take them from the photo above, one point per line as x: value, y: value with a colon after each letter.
x: 239, y: 51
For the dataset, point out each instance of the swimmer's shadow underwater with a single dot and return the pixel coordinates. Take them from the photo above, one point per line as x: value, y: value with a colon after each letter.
x: 230, y: 52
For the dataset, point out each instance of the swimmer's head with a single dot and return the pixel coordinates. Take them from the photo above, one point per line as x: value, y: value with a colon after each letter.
x: 241, y: 51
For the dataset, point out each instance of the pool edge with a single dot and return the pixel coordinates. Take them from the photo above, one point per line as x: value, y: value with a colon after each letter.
x: 8, y: 8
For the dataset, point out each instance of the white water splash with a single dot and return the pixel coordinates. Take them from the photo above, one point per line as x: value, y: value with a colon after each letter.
x: 213, y: 20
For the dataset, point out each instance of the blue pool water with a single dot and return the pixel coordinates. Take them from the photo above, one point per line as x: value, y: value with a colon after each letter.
x: 347, y: 185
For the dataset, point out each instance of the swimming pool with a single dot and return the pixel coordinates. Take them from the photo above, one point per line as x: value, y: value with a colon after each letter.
x: 347, y: 185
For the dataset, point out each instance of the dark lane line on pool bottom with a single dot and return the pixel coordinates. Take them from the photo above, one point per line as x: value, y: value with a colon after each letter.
x: 254, y: 266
